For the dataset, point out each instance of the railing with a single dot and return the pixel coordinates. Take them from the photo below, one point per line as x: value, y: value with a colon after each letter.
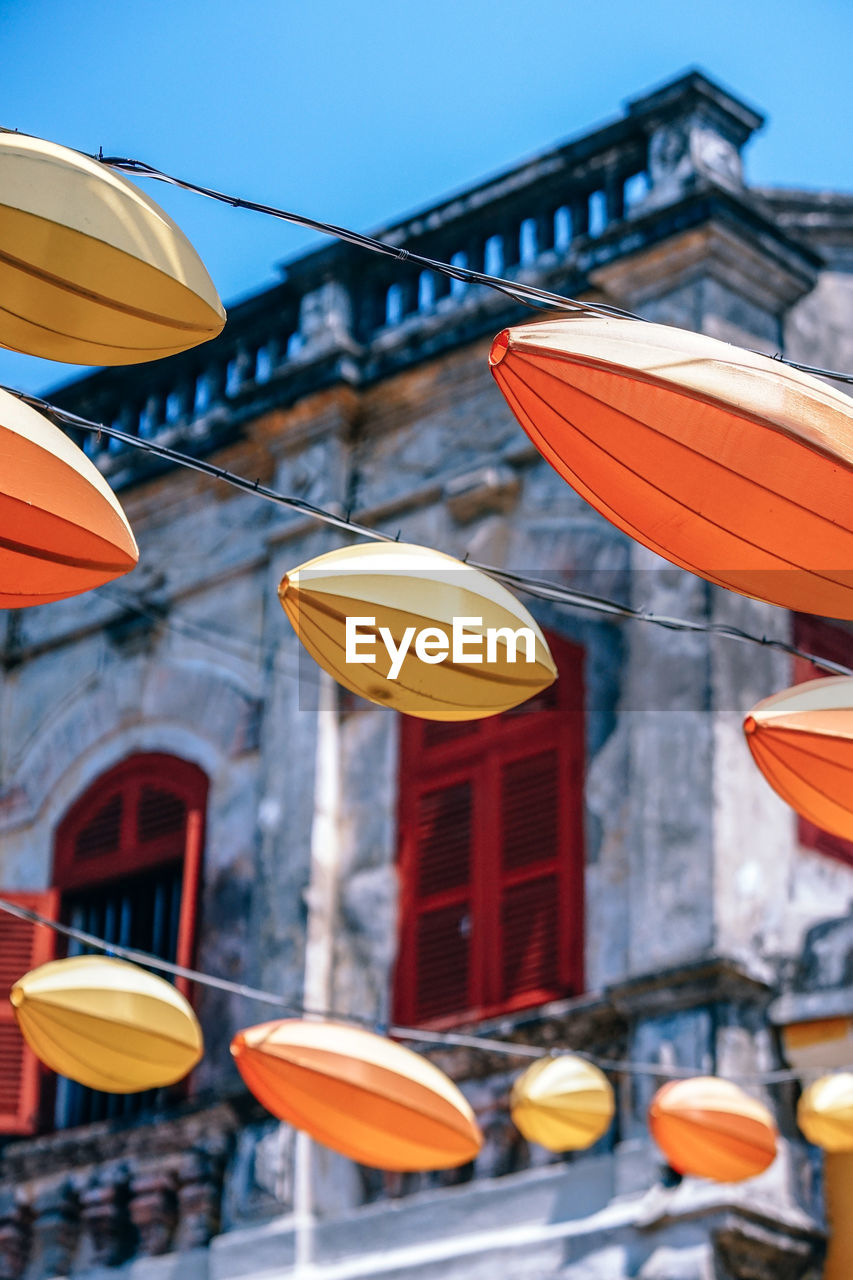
x: 533, y: 221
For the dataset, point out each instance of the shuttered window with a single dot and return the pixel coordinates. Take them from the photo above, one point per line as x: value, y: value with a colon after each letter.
x: 127, y: 864
x: 491, y: 857
x: 23, y: 946
x: 835, y: 643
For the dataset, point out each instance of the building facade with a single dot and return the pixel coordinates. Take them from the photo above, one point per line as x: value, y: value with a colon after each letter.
x: 604, y: 869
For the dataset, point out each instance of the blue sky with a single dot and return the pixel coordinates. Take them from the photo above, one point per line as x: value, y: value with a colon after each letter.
x: 358, y: 112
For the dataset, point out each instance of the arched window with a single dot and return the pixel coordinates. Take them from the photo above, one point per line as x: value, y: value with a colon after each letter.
x: 127, y: 865
x: 144, y: 819
x: 126, y: 868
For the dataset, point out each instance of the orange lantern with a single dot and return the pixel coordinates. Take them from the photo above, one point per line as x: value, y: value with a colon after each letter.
x: 62, y: 530
x: 727, y: 463
x: 802, y: 741
x: 712, y: 1129
x: 92, y: 271
x: 358, y: 1093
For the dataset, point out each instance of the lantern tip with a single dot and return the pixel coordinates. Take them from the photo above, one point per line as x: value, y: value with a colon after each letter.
x: 500, y: 347
x: 16, y: 996
x: 750, y: 725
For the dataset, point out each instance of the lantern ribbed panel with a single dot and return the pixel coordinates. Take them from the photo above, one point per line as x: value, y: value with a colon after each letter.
x: 358, y: 1093
x: 825, y: 1112
x: 62, y: 530
x: 712, y: 1129
x: 92, y: 271
x: 403, y: 586
x: 563, y: 1103
x: 802, y: 741
x: 725, y: 462
x: 107, y: 1024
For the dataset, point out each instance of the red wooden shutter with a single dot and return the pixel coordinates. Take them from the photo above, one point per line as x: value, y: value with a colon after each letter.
x: 530, y: 904
x: 438, y: 842
x: 23, y: 946
x: 491, y: 857
x: 836, y: 644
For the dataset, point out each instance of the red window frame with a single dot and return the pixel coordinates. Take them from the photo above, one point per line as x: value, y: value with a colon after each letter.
x: 128, y: 783
x: 488, y: 759
x: 824, y: 640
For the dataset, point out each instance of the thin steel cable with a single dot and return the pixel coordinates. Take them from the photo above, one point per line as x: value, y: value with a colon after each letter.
x: 539, y: 588
x: 527, y: 295
x: 415, y: 1035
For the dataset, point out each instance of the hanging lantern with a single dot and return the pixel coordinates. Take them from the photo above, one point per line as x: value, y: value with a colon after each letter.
x: 358, y: 1093
x: 727, y: 463
x: 710, y: 1128
x: 819, y: 1044
x: 802, y: 741
x: 92, y: 271
x: 825, y: 1112
x: 563, y: 1103
x: 62, y: 530
x: 416, y: 630
x: 107, y: 1024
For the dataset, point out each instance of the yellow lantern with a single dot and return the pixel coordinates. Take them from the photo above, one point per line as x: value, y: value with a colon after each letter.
x: 728, y: 463
x: 416, y: 630
x: 825, y: 1112
x: 62, y: 530
x: 802, y: 741
x: 563, y: 1103
x: 358, y: 1093
x: 92, y: 271
x: 712, y: 1129
x: 819, y: 1044
x: 107, y: 1024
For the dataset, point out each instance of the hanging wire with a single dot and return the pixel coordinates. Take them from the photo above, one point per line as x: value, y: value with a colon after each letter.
x: 415, y: 1035
x: 527, y: 295
x: 539, y: 588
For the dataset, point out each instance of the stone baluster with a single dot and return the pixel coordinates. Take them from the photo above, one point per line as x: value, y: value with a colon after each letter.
x: 154, y: 1207
x: 199, y: 1197
x: 152, y: 416
x: 14, y: 1236
x: 214, y: 382
x: 105, y: 1217
x: 579, y: 210
x: 325, y: 319
x: 545, y: 232
x: 475, y: 251
x: 614, y: 193
x: 55, y: 1231
x: 410, y: 284
x: 511, y: 244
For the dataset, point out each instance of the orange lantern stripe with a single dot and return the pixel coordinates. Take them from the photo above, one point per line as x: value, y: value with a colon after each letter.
x: 723, y: 1156
x: 62, y: 530
x: 751, y: 492
x: 408, y: 1139
x: 802, y: 740
x: 359, y: 1093
x: 710, y: 1128
x: 625, y: 472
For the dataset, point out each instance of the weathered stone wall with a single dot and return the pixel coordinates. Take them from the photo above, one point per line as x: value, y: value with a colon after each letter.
x: 698, y: 897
